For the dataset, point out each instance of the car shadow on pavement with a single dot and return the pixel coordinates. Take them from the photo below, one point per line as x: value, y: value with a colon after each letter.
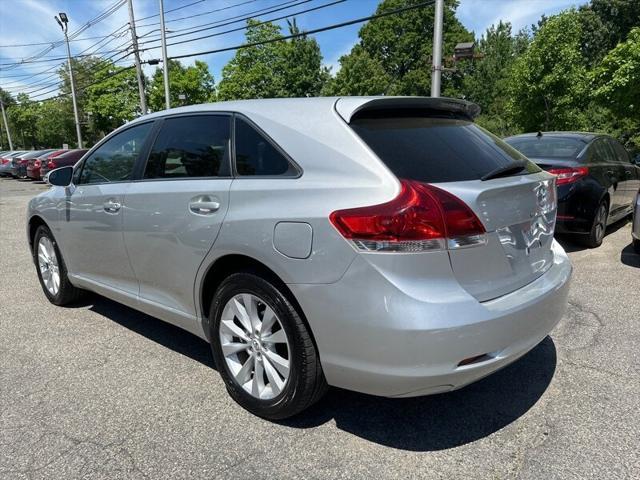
x: 429, y: 423
x: 167, y: 335
x: 571, y: 244
x: 442, y: 421
x: 629, y: 257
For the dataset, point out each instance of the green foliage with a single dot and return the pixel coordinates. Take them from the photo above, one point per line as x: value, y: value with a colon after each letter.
x: 194, y: 82
x: 114, y: 100
x: 359, y: 74
x: 548, y: 85
x: 286, y: 68
x: 395, y: 52
x: 617, y: 82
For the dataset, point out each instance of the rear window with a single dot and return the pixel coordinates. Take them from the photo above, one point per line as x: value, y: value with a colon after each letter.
x: 547, y: 147
x: 433, y: 150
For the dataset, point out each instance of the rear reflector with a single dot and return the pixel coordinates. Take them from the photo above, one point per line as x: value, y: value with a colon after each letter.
x: 568, y: 175
x: 421, y: 218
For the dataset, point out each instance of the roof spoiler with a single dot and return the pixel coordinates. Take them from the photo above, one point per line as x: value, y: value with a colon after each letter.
x: 347, y: 107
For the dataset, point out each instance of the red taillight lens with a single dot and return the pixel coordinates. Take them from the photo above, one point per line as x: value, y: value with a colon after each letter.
x: 568, y: 175
x: 36, y: 164
x: 422, y: 217
x: 4, y: 161
x: 51, y: 165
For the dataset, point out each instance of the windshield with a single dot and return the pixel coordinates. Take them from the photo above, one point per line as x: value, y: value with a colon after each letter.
x: 433, y: 149
x: 547, y: 147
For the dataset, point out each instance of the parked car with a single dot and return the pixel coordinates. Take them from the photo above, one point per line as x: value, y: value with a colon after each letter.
x: 635, y: 229
x: 70, y: 157
x: 20, y: 162
x: 5, y: 162
x: 596, y: 179
x: 34, y: 164
x: 381, y: 244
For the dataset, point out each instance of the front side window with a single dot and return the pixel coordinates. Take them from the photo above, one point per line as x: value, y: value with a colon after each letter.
x: 113, y: 161
x: 255, y: 155
x: 191, y: 146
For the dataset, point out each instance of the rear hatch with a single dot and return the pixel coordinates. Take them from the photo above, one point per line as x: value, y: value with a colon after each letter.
x: 513, y: 198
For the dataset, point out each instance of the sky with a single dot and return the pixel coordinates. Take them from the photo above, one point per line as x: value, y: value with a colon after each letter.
x: 32, y: 21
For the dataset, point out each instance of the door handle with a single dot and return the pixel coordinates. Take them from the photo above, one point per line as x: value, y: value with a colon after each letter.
x: 204, y: 207
x: 111, y: 206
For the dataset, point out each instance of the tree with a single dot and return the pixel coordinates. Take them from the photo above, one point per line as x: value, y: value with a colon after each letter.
x: 194, y: 82
x: 548, y: 85
x: 617, y: 82
x: 53, y: 127
x: 486, y: 81
x: 113, y: 100
x: 23, y: 118
x: 402, y: 45
x: 278, y: 68
x: 359, y: 74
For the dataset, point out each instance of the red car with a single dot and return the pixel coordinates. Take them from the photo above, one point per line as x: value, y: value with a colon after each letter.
x: 70, y: 157
x: 34, y: 165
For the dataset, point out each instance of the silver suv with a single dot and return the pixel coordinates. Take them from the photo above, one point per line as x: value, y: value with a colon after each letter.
x: 379, y: 244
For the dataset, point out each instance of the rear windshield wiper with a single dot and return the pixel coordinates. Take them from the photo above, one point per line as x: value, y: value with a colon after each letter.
x: 506, y: 170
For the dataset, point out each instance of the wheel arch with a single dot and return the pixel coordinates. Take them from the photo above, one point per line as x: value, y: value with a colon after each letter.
x: 229, y: 264
x: 34, y: 222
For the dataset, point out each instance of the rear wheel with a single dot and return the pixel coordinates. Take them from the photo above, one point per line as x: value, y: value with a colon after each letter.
x: 263, y: 349
x: 636, y: 246
x: 52, y: 271
x: 598, y: 227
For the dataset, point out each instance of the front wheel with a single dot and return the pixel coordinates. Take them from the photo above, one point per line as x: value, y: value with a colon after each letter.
x: 598, y: 227
x: 263, y: 349
x: 52, y: 271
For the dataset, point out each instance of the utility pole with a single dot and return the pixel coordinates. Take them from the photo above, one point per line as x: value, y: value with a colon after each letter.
x: 436, y: 68
x: 6, y: 124
x: 136, y: 56
x: 63, y: 21
x: 165, y: 62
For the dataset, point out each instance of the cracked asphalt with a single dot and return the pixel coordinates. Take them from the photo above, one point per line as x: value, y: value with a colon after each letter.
x: 102, y: 391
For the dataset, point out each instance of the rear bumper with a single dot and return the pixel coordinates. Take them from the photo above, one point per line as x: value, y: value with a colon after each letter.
x: 376, y: 338
x: 33, y: 172
x: 577, y: 205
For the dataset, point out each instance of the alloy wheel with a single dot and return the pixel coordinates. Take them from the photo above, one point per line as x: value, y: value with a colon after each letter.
x: 48, y: 265
x: 601, y: 222
x: 255, y: 346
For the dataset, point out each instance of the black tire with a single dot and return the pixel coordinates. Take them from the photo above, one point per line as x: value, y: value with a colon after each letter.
x: 66, y: 293
x: 636, y: 246
x: 306, y: 383
x: 598, y: 227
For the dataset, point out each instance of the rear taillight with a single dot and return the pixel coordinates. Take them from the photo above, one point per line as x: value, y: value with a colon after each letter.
x: 421, y: 218
x: 36, y: 164
x: 568, y: 175
x: 51, y: 165
x: 4, y: 161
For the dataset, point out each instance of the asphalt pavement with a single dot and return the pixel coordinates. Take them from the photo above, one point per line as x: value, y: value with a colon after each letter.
x: 101, y: 391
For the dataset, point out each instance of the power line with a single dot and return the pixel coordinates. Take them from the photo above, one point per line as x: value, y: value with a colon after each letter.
x: 235, y: 19
x: 201, y: 14
x: 246, y: 27
x: 308, y: 32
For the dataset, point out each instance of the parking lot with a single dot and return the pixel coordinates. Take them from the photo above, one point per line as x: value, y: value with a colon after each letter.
x: 102, y: 391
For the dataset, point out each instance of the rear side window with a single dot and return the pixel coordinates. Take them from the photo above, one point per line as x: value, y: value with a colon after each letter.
x: 601, y: 152
x: 193, y: 146
x: 113, y: 161
x: 432, y: 149
x: 620, y: 152
x: 255, y: 155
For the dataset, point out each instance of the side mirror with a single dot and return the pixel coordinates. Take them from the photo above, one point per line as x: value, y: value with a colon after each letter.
x: 60, y: 177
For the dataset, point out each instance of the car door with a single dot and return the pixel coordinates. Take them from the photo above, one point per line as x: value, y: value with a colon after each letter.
x: 174, y: 211
x: 631, y: 181
x: 92, y: 218
x: 610, y: 172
